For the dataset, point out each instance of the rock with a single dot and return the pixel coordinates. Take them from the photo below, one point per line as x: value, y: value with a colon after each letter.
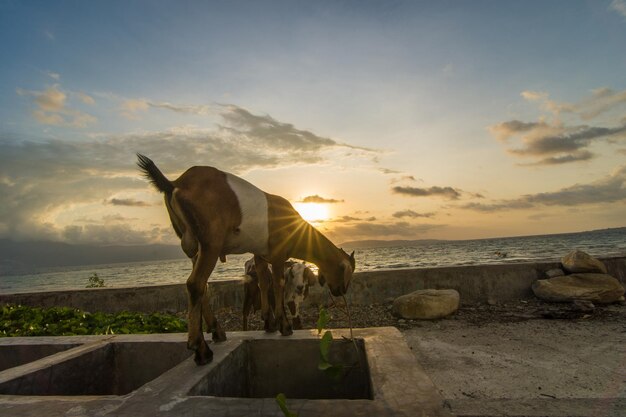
x: 578, y: 261
x: 553, y: 273
x: 583, y: 306
x: 597, y: 288
x: 426, y: 304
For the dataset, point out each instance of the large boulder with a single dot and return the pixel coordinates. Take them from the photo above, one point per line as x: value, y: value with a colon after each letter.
x: 426, y: 304
x: 579, y: 261
x: 597, y: 288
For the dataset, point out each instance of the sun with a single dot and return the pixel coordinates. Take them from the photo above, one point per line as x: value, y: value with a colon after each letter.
x: 312, y: 212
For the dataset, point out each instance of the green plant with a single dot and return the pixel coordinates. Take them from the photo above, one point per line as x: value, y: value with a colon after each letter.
x: 324, y: 365
x: 281, y: 400
x: 18, y: 320
x: 95, y: 281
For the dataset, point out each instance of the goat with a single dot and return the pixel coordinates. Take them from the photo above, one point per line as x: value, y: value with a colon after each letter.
x: 298, y: 278
x: 214, y: 214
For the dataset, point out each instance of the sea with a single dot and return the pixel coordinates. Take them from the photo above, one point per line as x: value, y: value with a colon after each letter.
x: 600, y: 243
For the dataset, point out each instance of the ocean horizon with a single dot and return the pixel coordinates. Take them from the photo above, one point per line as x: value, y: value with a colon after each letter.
x: 407, y: 254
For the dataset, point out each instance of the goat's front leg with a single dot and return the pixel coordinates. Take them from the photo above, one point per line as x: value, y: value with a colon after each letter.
x: 196, y: 291
x: 265, y: 280
x: 295, y: 315
x: 278, y: 284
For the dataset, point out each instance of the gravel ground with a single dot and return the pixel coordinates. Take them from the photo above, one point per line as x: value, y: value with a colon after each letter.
x: 378, y: 315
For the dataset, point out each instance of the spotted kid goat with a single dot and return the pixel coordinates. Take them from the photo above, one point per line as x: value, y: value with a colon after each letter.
x: 298, y: 278
x: 214, y: 214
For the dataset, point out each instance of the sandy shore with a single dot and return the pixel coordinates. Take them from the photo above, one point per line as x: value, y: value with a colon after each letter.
x: 525, y: 358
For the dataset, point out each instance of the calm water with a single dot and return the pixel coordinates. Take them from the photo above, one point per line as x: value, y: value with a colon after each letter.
x: 610, y: 242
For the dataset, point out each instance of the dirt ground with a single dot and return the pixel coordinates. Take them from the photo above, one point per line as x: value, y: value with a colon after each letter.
x: 520, y: 358
x: 479, y: 315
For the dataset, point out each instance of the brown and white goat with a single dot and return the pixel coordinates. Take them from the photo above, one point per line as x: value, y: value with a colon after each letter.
x: 298, y: 278
x: 214, y: 214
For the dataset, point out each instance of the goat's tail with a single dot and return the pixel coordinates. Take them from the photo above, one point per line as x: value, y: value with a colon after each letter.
x: 153, y: 173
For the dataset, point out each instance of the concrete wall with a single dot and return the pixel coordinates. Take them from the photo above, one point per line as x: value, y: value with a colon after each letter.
x: 478, y: 283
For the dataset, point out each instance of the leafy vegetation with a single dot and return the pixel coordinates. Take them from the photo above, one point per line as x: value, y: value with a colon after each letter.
x: 281, y: 400
x: 18, y: 320
x: 95, y: 281
x: 324, y: 365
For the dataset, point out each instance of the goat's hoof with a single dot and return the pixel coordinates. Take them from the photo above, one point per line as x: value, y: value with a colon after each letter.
x: 297, y: 324
x: 286, y: 330
x: 219, y: 336
x: 203, y: 354
x: 270, y: 326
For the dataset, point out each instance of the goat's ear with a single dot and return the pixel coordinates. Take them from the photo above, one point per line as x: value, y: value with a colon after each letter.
x: 309, y: 276
x: 321, y: 279
x: 347, y: 275
x: 352, y: 261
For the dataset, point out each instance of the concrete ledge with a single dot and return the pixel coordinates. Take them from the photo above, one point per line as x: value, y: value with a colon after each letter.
x: 476, y: 283
x: 399, y: 385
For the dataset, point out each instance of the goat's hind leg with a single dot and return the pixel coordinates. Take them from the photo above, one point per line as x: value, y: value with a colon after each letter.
x: 196, y: 291
x: 213, y: 326
x: 265, y: 280
x: 278, y: 285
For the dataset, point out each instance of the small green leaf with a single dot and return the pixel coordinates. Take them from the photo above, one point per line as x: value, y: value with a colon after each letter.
x: 325, y: 345
x: 322, y: 320
x: 281, y: 400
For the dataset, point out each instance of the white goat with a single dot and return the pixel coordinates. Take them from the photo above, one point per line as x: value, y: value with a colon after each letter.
x: 298, y: 277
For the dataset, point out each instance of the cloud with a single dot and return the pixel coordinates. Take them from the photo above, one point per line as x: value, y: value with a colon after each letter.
x: 121, y: 234
x: 446, y: 192
x: 51, y: 107
x: 412, y: 214
x: 505, y: 130
x: 619, y: 6
x: 601, y: 100
x: 554, y: 144
x: 557, y: 143
x: 129, y: 202
x: 404, y: 178
x: 368, y: 230
x: 85, y: 98
x: 389, y: 171
x: 317, y: 199
x: 347, y: 219
x: 260, y: 131
x: 563, y: 159
x: 53, y: 75
x: 610, y: 189
x: 130, y: 108
x: 39, y: 179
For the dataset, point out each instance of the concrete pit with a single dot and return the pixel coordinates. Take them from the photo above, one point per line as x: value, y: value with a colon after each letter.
x: 263, y: 368
x: 155, y: 375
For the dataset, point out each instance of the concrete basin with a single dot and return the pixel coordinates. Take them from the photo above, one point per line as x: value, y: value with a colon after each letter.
x: 16, y: 355
x: 264, y: 368
x: 154, y: 375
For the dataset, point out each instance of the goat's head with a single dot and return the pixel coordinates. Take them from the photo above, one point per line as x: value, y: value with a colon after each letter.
x: 338, y: 274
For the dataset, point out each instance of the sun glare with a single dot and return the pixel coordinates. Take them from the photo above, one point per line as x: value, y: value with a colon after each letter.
x: 312, y: 212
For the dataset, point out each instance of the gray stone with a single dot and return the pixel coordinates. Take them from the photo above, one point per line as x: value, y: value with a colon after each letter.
x: 597, y: 288
x: 426, y: 304
x: 553, y: 273
x: 583, y: 306
x: 579, y: 261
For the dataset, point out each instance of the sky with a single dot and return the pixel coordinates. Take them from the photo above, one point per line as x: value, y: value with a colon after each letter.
x: 376, y: 119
